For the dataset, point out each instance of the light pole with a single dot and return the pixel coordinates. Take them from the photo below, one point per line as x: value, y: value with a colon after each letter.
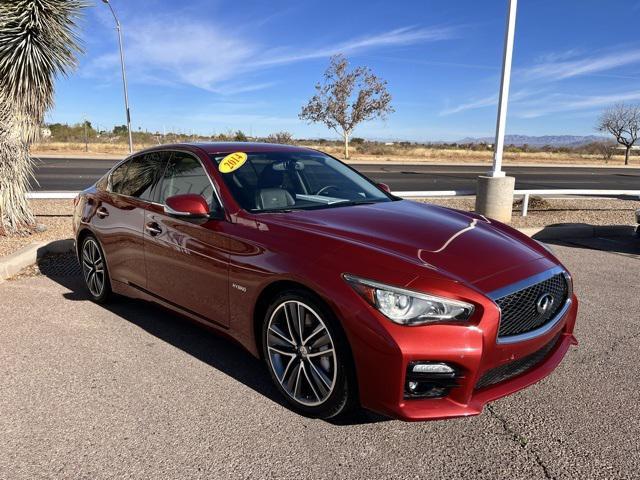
x: 124, y: 75
x: 494, y: 197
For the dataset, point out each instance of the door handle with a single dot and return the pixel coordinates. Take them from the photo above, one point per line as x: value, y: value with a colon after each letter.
x: 153, y: 228
x: 102, y: 212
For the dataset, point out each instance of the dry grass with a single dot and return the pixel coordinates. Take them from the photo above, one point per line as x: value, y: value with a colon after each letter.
x: 120, y: 149
x: 384, y: 153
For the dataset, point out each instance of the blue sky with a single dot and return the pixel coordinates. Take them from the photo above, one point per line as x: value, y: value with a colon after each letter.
x: 213, y: 66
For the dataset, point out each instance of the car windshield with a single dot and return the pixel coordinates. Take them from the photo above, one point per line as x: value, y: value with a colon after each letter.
x: 280, y: 181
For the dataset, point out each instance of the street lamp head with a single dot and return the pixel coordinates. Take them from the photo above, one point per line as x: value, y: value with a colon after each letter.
x: 105, y: 1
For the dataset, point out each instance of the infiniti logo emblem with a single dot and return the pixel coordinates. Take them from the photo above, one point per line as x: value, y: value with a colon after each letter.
x: 544, y: 303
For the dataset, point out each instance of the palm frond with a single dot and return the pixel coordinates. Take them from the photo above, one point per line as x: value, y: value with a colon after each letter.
x: 38, y: 42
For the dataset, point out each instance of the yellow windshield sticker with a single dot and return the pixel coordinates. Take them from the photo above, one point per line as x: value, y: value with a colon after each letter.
x: 232, y: 162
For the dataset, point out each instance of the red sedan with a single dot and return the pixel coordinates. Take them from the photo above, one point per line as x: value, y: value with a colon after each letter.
x: 351, y: 295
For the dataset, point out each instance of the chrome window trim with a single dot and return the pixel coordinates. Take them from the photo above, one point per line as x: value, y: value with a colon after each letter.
x: 521, y: 285
x: 172, y: 150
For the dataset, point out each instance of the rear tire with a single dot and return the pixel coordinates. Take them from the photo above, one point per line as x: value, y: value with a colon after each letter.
x: 94, y: 270
x: 307, y: 355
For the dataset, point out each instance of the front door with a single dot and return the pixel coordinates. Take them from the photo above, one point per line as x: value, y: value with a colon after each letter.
x: 187, y: 263
x: 120, y: 215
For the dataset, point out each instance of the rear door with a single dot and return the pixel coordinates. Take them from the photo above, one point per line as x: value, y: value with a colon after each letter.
x: 186, y: 261
x: 120, y: 213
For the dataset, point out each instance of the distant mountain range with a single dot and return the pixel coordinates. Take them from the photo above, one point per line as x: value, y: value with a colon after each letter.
x: 541, y: 141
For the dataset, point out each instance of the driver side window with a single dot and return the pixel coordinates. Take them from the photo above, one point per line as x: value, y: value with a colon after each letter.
x: 185, y: 174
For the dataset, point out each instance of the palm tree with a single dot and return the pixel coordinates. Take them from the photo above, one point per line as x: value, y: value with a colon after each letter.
x: 38, y: 42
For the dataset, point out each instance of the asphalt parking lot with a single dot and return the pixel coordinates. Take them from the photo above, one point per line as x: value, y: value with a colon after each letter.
x: 132, y: 391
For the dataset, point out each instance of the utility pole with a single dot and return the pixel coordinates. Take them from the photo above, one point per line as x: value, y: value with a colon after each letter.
x: 124, y: 75
x: 86, y: 140
x: 494, y: 196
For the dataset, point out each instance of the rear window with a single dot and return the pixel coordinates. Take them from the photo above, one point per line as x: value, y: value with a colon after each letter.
x: 138, y: 176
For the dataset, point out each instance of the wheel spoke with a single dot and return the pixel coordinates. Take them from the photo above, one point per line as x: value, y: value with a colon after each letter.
x: 287, y: 319
x: 286, y: 370
x: 300, y: 312
x: 282, y: 352
x: 318, y: 329
x: 276, y: 331
x: 92, y: 285
x: 99, y: 282
x: 316, y: 372
x: 320, y: 353
x: 321, y: 341
x: 296, y: 388
x: 309, y: 382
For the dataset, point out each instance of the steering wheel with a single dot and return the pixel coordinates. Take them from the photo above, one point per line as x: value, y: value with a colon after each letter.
x: 326, y: 189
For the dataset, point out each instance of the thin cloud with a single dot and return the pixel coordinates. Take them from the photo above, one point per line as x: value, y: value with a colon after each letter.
x: 557, y: 103
x: 552, y: 68
x: 180, y: 51
x: 398, y: 37
x: 490, y: 101
x: 560, y: 70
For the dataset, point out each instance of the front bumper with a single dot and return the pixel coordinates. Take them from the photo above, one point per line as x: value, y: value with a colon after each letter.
x: 471, y: 349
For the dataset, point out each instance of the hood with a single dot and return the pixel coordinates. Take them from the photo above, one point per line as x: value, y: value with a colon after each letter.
x: 464, y: 246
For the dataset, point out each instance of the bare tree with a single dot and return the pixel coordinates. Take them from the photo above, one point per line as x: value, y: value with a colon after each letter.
x: 347, y: 98
x: 606, y: 149
x: 623, y: 122
x: 280, y: 137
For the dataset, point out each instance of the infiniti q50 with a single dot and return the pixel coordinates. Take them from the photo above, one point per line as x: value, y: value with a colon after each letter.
x: 351, y: 295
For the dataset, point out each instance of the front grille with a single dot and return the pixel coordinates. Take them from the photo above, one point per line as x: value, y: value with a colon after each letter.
x: 517, y: 367
x: 519, y: 313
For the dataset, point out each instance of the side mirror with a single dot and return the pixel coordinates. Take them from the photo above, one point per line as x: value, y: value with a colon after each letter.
x: 384, y: 187
x: 187, y: 206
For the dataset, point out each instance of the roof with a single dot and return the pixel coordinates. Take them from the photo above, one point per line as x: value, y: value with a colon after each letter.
x: 249, y: 147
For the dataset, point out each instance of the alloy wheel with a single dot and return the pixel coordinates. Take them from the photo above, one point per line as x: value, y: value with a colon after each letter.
x: 301, y: 353
x: 93, y: 267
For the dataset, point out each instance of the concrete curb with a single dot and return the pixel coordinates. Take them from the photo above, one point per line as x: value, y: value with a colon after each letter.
x: 557, y: 232
x: 12, y: 264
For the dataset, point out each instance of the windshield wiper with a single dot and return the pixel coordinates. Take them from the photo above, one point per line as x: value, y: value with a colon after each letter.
x: 349, y: 203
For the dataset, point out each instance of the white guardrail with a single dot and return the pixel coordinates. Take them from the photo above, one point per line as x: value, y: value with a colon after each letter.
x: 525, y: 194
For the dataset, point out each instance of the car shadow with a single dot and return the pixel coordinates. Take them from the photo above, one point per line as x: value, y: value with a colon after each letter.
x: 621, y: 239
x: 207, y: 346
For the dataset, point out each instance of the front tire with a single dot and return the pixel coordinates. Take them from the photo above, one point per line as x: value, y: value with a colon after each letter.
x: 307, y: 355
x: 94, y: 270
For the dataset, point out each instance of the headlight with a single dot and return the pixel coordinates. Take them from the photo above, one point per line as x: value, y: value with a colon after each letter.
x: 569, y: 279
x: 407, y: 307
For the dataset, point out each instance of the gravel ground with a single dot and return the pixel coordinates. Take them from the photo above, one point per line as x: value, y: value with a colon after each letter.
x: 56, y: 216
x: 53, y: 214
x: 132, y: 391
x: 592, y: 211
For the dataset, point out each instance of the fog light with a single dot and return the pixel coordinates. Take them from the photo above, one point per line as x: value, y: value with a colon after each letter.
x: 430, y: 379
x: 432, y: 368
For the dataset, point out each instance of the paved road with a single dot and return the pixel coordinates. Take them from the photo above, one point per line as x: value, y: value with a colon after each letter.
x: 77, y: 174
x: 131, y: 391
